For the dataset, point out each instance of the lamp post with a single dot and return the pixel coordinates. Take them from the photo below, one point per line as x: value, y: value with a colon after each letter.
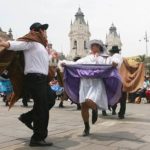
x: 146, y: 42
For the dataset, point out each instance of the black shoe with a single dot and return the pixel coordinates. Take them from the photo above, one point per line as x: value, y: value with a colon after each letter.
x: 25, y: 105
x: 41, y: 143
x: 94, y: 115
x: 104, y: 113
x: 61, y: 105
x: 7, y: 103
x: 28, y: 124
x: 4, y: 98
x: 114, y: 113
x: 121, y: 116
x: 78, y: 107
x: 25, y: 102
x: 86, y: 131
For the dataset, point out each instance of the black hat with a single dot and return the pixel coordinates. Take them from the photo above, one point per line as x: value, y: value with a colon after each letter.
x: 37, y: 26
x: 114, y: 49
x: 76, y: 58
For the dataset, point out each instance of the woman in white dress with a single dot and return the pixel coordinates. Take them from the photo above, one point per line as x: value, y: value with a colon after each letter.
x: 92, y: 93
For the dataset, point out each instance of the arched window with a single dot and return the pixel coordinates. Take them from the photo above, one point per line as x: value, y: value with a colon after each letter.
x: 75, y: 45
x: 85, y: 45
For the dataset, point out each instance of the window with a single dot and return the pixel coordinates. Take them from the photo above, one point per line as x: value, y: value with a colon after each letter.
x: 75, y: 45
x: 85, y: 46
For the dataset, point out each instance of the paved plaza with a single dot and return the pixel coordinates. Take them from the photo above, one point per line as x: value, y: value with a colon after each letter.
x: 66, y: 126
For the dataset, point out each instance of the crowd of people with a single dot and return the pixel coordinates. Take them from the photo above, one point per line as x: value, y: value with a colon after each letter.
x: 142, y: 94
x: 93, y: 82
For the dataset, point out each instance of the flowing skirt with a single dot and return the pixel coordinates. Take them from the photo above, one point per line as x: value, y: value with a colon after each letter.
x: 93, y: 89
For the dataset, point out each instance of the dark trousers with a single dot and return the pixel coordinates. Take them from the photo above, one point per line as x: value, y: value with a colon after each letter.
x: 26, y: 95
x: 122, y: 104
x: 44, y: 100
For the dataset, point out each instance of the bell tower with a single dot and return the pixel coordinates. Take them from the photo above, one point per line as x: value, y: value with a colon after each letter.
x: 79, y: 35
x: 113, y: 38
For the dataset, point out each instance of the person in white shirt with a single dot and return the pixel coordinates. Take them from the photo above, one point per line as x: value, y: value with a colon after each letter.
x: 36, y: 58
x: 116, y: 60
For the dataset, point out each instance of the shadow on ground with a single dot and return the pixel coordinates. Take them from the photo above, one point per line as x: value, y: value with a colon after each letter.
x: 115, y: 136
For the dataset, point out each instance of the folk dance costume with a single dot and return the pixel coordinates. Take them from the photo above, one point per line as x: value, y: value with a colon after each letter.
x: 36, y: 69
x: 118, y: 60
x: 91, y: 83
x: 93, y: 89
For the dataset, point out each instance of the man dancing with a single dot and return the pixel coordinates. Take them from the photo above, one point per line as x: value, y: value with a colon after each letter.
x: 36, y: 58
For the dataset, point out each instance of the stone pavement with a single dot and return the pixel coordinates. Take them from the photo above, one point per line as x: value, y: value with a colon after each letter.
x: 66, y: 126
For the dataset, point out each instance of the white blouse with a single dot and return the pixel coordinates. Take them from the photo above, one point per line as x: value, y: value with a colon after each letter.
x: 117, y: 58
x: 36, y: 56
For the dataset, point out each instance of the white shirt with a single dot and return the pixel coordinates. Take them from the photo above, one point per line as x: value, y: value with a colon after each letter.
x: 90, y: 59
x: 117, y: 58
x: 35, y: 54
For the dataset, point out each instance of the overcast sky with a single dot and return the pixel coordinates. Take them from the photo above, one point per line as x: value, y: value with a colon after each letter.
x: 131, y: 17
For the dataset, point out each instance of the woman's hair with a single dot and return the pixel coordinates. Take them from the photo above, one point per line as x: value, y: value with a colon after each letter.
x: 100, y: 47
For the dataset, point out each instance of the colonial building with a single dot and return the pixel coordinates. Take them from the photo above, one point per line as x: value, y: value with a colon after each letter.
x: 5, y: 35
x: 79, y: 35
x: 113, y: 38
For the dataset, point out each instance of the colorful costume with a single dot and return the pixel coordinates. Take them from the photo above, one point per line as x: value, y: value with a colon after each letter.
x: 92, y: 81
x: 5, y: 86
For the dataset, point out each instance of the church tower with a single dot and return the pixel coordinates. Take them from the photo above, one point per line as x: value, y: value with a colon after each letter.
x: 113, y: 39
x: 6, y: 36
x: 79, y: 36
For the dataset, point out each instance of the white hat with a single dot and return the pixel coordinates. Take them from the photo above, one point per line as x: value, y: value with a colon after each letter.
x: 99, y: 42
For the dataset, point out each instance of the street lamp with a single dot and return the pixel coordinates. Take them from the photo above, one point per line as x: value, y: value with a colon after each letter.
x: 146, y: 41
x: 146, y: 44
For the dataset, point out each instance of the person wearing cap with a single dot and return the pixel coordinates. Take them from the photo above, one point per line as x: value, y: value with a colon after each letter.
x: 92, y: 93
x: 116, y: 60
x: 36, y: 68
